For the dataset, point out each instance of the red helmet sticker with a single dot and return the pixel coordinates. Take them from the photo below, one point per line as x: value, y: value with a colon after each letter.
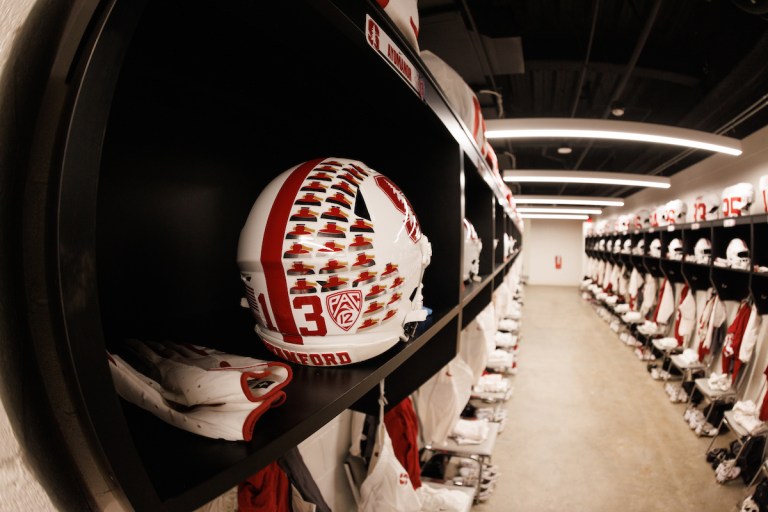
x: 344, y: 307
x: 402, y: 205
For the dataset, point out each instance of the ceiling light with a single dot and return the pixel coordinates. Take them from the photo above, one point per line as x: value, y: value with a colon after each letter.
x: 583, y: 200
x: 589, y: 211
x: 592, y: 177
x: 617, y: 109
x: 552, y: 216
x: 565, y: 150
x: 609, y: 129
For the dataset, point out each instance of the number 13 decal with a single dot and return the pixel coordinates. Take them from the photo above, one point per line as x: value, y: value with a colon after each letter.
x: 312, y: 315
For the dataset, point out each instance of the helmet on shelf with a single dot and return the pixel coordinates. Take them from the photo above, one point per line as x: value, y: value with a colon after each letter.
x: 617, y: 246
x: 623, y: 223
x: 654, y: 249
x: 332, y: 258
x: 675, y: 249
x: 642, y: 219
x: 472, y: 247
x: 676, y: 211
x: 627, y: 246
x: 737, y: 199
x: 705, y: 207
x: 661, y: 215
x: 737, y: 254
x: 702, y: 251
x: 639, y: 249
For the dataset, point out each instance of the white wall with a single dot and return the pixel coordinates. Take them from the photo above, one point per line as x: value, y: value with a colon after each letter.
x: 543, y: 240
x: 710, y: 175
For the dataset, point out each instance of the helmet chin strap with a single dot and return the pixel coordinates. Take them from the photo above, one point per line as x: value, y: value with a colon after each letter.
x: 417, y: 312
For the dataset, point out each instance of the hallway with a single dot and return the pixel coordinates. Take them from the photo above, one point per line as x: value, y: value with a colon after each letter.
x: 588, y: 430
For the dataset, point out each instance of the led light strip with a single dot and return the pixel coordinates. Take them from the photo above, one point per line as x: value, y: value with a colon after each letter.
x: 570, y: 200
x: 593, y: 177
x: 587, y: 211
x: 552, y: 216
x: 556, y: 127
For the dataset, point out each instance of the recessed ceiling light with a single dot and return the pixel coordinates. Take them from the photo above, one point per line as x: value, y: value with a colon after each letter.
x: 582, y: 200
x: 591, y: 177
x: 565, y: 150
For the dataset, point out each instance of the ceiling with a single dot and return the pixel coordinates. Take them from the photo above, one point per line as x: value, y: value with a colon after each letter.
x: 699, y: 64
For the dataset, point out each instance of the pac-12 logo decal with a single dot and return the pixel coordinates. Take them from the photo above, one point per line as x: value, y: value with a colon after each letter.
x: 401, y: 204
x: 344, y: 307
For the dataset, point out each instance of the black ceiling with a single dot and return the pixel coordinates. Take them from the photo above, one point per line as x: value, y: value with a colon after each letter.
x: 700, y: 64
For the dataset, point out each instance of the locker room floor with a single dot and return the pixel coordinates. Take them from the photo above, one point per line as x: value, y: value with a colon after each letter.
x: 589, y: 430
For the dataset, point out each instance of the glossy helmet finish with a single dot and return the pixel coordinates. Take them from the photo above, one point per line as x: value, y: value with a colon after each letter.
x: 617, y: 246
x: 623, y: 223
x: 675, y: 249
x: 654, y: 249
x: 660, y: 215
x: 601, y: 244
x: 737, y: 199
x: 639, y: 249
x: 676, y: 210
x: 332, y: 258
x: 472, y: 247
x: 627, y: 246
x: 702, y: 251
x: 762, y: 188
x: 737, y: 254
x: 705, y: 207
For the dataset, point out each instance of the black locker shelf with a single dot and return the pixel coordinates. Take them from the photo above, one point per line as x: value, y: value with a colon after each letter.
x: 729, y: 283
x: 150, y: 148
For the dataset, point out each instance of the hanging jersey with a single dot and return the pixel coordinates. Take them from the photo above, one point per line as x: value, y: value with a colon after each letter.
x: 440, y: 400
x: 665, y: 304
x: 686, y: 316
x: 731, y: 362
x: 266, y: 491
x: 402, y: 427
x: 751, y: 334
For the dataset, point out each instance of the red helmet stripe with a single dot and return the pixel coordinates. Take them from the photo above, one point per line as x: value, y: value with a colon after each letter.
x: 272, y: 251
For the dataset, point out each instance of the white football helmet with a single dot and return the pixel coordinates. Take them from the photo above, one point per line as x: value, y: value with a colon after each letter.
x: 654, y: 249
x: 737, y: 199
x: 762, y: 188
x: 472, y: 247
x: 601, y: 244
x: 661, y: 215
x: 332, y: 258
x: 737, y: 254
x: 642, y: 219
x: 676, y: 210
x: 405, y: 15
x: 675, y: 249
x: 705, y: 207
x: 702, y: 251
x: 617, y: 246
x: 623, y: 223
x: 639, y: 249
x: 627, y: 246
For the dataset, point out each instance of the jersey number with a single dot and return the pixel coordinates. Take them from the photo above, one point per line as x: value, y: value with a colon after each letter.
x: 314, y: 315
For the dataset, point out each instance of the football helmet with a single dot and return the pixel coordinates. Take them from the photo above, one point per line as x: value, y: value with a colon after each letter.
x: 332, y: 258
x: 702, y: 251
x: 762, y: 188
x: 676, y: 210
x: 639, y: 249
x: 705, y: 207
x: 659, y: 216
x: 627, y: 246
x: 601, y: 244
x: 737, y: 254
x: 617, y: 246
x: 623, y: 223
x: 737, y: 199
x: 654, y: 249
x: 675, y: 249
x: 472, y: 247
x: 642, y: 219
x: 405, y: 15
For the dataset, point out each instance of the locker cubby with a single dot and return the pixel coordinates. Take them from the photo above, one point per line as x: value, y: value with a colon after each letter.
x: 759, y: 245
x: 652, y: 263
x: 155, y: 139
x: 671, y: 269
